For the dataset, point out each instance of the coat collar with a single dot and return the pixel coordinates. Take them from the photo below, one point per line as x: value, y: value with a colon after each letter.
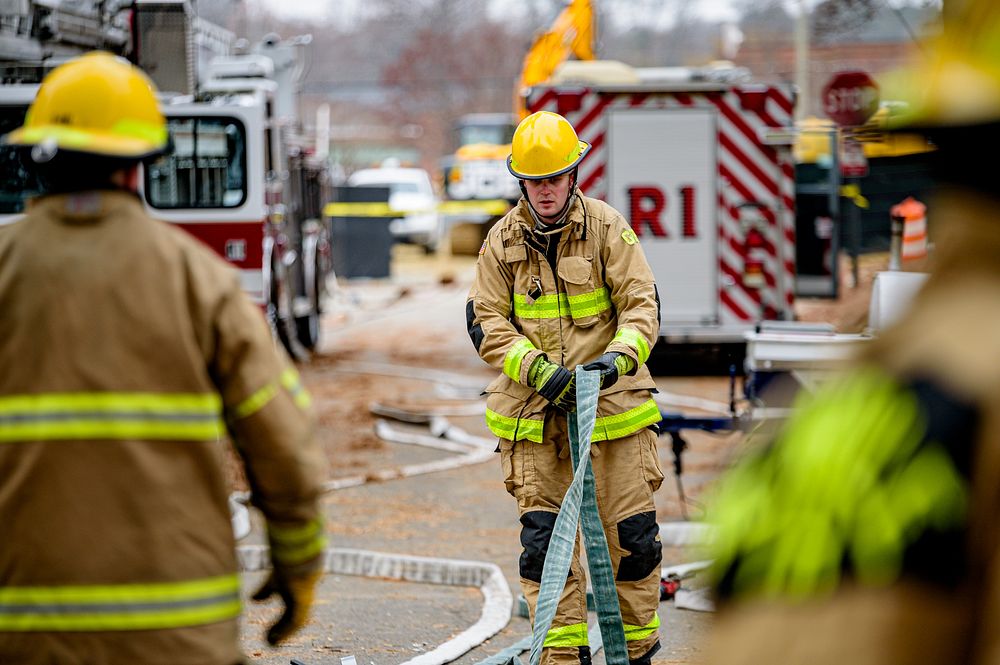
x: 84, y: 207
x: 577, y: 216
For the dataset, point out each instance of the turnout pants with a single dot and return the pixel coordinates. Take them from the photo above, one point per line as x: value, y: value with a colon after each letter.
x: 626, y: 473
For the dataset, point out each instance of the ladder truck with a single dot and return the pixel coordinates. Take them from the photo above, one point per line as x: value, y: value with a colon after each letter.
x: 242, y: 177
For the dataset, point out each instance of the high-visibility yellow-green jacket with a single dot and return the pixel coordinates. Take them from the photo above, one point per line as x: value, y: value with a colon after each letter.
x: 925, y: 518
x: 127, y: 351
x: 601, y: 297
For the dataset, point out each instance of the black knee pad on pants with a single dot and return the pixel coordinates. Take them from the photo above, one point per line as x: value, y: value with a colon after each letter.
x: 536, y: 531
x: 639, y: 536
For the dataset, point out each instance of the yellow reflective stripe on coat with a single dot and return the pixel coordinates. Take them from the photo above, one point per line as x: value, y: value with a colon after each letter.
x: 120, y: 607
x: 514, y: 429
x: 589, y: 304
x: 290, y: 380
x: 573, y: 635
x: 543, y: 307
x: 255, y: 402
x: 53, y: 416
x: 633, y: 633
x: 555, y: 306
x: 297, y: 543
x: 633, y: 338
x: 607, y: 428
x: 516, y: 353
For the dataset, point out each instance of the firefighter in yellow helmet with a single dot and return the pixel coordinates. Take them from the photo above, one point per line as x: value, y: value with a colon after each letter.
x: 869, y: 532
x: 128, y: 350
x: 562, y: 281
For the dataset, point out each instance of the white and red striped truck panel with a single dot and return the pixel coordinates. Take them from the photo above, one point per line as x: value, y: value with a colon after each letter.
x: 747, y: 171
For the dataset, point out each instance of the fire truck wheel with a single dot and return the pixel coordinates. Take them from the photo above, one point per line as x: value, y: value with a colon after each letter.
x: 307, y: 328
x: 285, y: 326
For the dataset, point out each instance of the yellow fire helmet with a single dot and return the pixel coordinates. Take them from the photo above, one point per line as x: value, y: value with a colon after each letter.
x: 958, y: 82
x: 545, y: 145
x: 98, y: 104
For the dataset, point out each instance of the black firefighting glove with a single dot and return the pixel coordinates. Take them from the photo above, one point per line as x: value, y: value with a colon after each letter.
x: 553, y: 382
x: 612, y: 365
x: 297, y: 593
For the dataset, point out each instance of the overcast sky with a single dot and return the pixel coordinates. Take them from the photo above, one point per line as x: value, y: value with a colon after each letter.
x: 342, y: 10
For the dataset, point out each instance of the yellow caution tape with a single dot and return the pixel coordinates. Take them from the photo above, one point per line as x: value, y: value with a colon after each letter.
x: 360, y: 210
x: 485, y: 207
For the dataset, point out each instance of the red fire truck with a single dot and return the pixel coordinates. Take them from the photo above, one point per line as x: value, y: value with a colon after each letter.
x: 239, y: 178
x: 700, y: 161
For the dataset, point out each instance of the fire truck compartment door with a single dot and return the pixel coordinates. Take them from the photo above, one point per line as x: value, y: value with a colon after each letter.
x: 662, y: 177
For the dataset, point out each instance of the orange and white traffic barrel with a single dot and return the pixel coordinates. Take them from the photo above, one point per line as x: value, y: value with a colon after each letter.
x: 909, y: 221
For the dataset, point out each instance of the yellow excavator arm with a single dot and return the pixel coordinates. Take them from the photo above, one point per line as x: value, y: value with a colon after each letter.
x: 571, y: 33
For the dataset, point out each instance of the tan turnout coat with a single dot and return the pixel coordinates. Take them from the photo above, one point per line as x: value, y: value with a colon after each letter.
x: 127, y: 351
x: 602, y: 297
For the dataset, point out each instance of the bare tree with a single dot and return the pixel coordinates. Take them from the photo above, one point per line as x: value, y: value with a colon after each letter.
x: 445, y: 72
x: 833, y: 18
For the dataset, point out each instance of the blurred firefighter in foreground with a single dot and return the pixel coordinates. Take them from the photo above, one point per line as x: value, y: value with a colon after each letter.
x: 869, y: 532
x: 127, y: 350
x: 562, y: 281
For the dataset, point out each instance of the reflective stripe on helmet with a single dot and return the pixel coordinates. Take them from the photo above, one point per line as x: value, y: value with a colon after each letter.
x: 98, y: 104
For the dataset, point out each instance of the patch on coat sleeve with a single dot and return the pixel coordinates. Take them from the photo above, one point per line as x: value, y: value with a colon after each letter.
x: 629, y: 236
x: 482, y: 250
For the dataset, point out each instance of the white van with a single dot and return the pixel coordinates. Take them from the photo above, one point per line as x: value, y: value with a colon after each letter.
x: 410, y: 190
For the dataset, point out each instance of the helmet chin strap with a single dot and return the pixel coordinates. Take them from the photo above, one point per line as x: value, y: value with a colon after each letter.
x: 559, y: 216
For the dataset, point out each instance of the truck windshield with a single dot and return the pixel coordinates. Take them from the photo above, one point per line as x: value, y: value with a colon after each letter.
x: 496, y: 134
x: 16, y: 184
x: 207, y: 168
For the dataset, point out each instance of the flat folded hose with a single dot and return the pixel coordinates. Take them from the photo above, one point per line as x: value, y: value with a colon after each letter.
x: 580, y: 505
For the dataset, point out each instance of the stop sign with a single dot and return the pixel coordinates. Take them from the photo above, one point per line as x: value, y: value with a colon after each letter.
x: 850, y: 98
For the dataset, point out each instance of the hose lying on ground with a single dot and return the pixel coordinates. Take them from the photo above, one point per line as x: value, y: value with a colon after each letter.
x: 487, y: 577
